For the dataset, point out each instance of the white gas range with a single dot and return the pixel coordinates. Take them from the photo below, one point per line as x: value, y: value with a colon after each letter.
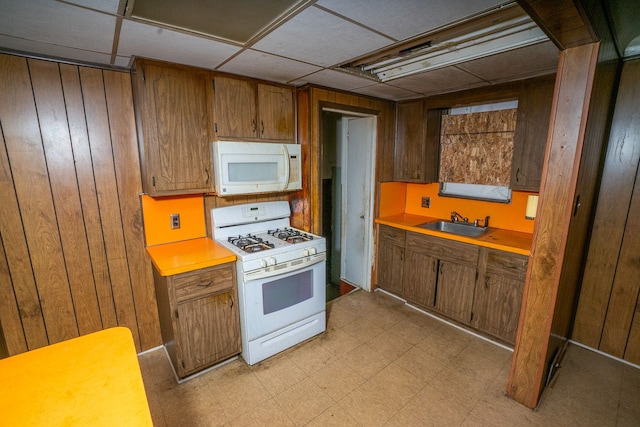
x: 281, y: 276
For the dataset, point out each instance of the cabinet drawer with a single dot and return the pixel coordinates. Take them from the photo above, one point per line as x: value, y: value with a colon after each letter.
x: 203, y: 282
x: 392, y: 235
x: 461, y: 253
x: 507, y: 263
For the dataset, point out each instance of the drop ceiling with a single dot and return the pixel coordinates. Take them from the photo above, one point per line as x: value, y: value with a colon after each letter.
x: 286, y: 41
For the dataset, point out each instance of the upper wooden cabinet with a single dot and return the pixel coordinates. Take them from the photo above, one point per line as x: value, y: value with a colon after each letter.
x: 174, y: 121
x: 246, y: 109
x: 532, y: 126
x: 417, y: 142
x: 418, y: 122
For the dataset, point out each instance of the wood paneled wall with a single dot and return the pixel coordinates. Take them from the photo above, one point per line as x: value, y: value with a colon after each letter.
x: 307, y: 205
x: 608, y: 316
x: 72, y: 258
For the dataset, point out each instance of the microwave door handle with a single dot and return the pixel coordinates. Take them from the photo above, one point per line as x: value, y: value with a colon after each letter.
x: 286, y: 167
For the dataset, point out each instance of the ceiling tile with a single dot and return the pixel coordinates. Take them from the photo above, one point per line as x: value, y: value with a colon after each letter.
x: 335, y: 79
x: 123, y: 61
x: 381, y: 90
x: 237, y: 20
x: 403, y: 19
x: 109, y: 6
x: 159, y: 43
x: 58, y: 24
x: 269, y: 67
x: 54, y: 51
x: 437, y: 81
x: 320, y: 38
x: 517, y: 64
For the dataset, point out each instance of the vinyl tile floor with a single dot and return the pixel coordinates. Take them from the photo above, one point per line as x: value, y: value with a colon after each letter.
x: 382, y: 363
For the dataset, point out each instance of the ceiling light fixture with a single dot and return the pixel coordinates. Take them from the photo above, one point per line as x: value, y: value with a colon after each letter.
x: 502, y: 37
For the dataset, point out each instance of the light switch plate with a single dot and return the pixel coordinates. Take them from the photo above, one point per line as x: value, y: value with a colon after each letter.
x: 175, y: 221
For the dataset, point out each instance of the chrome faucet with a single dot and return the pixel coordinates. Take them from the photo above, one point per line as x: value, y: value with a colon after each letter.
x: 456, y: 217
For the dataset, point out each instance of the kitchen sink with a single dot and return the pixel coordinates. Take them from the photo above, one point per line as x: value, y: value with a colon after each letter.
x: 461, y: 229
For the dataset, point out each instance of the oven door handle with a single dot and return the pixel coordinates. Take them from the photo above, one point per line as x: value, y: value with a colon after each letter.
x: 287, y: 267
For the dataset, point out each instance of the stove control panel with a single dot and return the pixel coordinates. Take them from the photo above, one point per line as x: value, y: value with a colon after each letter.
x: 309, y: 251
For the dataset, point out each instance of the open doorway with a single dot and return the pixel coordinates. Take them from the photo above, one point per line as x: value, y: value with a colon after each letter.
x: 348, y: 159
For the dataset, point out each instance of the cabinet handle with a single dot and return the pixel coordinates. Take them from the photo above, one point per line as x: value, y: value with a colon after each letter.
x: 254, y: 125
x: 207, y: 172
x: 261, y: 127
x: 231, y: 300
x: 518, y: 175
x: 205, y: 284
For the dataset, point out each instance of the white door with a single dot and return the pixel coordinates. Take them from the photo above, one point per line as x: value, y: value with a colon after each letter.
x: 358, y: 157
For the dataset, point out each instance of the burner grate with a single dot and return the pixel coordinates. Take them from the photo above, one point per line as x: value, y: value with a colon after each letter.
x: 250, y: 243
x: 290, y: 235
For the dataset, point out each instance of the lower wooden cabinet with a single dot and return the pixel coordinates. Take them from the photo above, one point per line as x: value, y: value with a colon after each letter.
x: 456, y: 283
x: 498, y: 294
x: 420, y: 278
x: 475, y: 286
x: 391, y: 257
x: 446, y: 275
x: 199, y: 317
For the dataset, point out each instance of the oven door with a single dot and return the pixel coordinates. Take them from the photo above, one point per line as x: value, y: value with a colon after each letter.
x: 274, y: 302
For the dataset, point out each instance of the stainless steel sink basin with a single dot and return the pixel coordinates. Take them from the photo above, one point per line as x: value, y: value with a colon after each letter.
x: 460, y: 229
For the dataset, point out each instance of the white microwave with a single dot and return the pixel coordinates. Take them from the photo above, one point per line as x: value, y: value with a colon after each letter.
x: 256, y: 167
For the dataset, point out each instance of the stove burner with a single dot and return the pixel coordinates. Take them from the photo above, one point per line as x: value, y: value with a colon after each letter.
x: 290, y: 235
x: 250, y: 243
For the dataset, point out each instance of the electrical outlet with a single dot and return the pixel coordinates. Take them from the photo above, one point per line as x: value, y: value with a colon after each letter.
x: 175, y: 221
x: 426, y: 202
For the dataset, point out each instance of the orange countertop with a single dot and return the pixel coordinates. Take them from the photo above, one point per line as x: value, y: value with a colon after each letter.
x: 496, y: 238
x: 188, y: 255
x: 93, y: 380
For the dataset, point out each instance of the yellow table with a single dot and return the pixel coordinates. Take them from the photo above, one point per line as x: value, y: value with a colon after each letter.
x: 93, y: 380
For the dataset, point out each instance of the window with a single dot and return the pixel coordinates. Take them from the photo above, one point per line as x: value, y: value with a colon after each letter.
x: 476, y: 147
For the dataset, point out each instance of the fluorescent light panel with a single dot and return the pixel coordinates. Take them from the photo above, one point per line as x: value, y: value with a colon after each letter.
x: 509, y: 35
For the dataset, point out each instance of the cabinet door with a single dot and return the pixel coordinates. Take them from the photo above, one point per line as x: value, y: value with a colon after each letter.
x: 235, y: 108
x: 454, y: 293
x: 420, y: 275
x: 530, y: 140
x: 175, y: 129
x: 276, y: 113
x: 410, y: 141
x: 209, y: 331
x: 390, y: 267
x: 497, y: 306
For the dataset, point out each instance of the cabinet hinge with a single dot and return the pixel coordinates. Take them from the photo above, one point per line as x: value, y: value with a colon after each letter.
x: 175, y: 312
